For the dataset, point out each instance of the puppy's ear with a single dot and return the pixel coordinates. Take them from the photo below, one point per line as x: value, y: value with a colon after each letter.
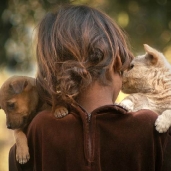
x: 152, y: 54
x: 18, y: 86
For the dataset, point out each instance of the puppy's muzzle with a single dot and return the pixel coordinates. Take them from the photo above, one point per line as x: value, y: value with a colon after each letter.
x: 9, y: 126
x: 17, y: 123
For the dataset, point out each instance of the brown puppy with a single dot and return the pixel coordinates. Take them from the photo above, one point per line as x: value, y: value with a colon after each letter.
x: 20, y: 101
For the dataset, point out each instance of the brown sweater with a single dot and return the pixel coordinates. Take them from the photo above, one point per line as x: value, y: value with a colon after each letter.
x: 110, y: 139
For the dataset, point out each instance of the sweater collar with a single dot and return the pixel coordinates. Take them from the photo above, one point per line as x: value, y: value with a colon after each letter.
x: 103, y: 109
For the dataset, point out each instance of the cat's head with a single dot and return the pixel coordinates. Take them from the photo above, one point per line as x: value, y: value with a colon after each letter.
x: 146, y: 73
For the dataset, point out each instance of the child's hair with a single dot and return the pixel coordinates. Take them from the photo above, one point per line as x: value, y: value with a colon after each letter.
x: 76, y: 46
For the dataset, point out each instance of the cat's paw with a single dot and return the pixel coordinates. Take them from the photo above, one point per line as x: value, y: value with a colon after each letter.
x: 162, y: 124
x: 127, y: 104
x: 22, y: 154
x: 61, y: 112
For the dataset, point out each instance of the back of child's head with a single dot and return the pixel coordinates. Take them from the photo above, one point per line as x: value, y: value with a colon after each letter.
x: 76, y: 46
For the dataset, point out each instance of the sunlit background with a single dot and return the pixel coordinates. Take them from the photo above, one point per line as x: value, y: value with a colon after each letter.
x: 145, y: 21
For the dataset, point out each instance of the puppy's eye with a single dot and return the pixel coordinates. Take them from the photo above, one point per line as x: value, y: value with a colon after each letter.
x: 10, y: 105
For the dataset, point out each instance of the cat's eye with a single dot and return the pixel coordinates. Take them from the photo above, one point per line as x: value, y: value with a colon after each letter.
x: 131, y: 66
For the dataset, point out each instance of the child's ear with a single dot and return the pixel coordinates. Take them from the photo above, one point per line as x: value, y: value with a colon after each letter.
x: 117, y: 63
x: 152, y: 54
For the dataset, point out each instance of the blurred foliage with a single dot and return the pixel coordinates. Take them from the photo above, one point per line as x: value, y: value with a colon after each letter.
x: 145, y: 21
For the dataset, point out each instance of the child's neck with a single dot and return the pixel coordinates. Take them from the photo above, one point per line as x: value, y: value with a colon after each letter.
x: 95, y: 96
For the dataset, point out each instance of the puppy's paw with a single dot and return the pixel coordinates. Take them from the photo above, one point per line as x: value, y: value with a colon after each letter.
x: 61, y: 112
x: 22, y: 155
x: 127, y: 104
x: 162, y: 124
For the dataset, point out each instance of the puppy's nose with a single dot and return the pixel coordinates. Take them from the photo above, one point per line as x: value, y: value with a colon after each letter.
x: 9, y: 126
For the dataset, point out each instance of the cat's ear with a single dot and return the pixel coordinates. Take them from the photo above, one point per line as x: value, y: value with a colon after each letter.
x: 152, y: 54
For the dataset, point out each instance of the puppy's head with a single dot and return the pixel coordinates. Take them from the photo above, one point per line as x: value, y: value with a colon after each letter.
x: 146, y: 73
x: 18, y: 99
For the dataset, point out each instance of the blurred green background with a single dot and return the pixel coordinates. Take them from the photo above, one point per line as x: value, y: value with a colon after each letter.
x: 144, y: 21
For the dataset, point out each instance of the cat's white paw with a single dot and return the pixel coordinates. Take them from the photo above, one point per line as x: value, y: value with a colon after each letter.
x: 162, y: 124
x: 127, y: 104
